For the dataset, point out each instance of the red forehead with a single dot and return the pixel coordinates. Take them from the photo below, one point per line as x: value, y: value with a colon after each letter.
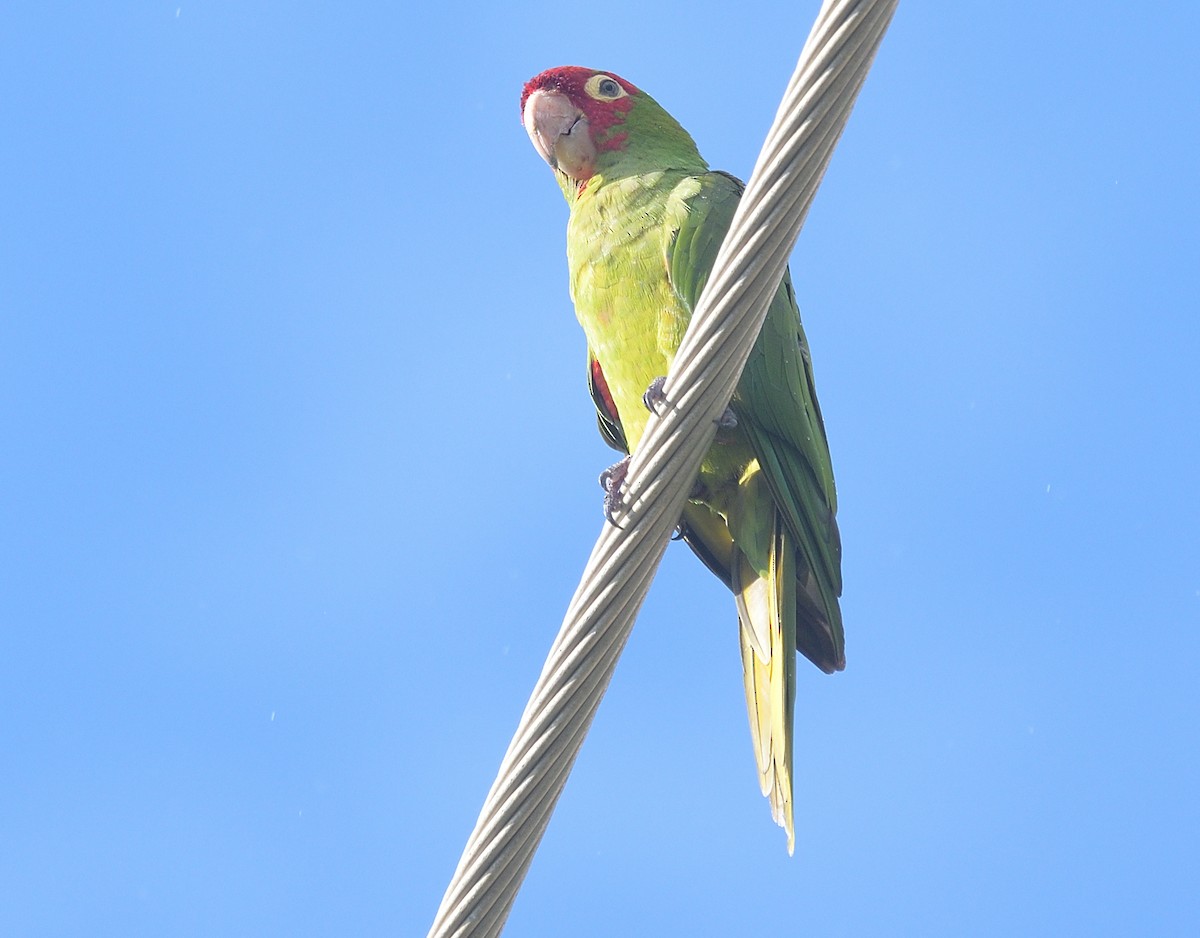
x: 569, y: 80
x: 604, y: 117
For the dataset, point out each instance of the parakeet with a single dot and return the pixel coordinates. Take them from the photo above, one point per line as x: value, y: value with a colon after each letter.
x: 646, y: 219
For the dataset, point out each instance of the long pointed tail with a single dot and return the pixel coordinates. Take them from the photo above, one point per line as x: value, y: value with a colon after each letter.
x: 766, y: 603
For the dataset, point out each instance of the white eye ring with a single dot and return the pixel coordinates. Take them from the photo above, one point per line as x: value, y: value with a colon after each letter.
x: 604, y: 88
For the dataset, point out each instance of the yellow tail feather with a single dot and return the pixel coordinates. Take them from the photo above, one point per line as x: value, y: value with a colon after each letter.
x: 766, y: 602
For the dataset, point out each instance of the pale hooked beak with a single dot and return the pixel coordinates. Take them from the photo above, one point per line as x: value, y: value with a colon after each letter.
x: 559, y: 132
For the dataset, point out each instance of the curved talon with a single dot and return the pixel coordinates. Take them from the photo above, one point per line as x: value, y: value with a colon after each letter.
x: 654, y: 395
x: 611, y: 502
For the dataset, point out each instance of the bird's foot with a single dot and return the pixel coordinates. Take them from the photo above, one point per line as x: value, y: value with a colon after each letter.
x: 611, y: 480
x: 654, y: 396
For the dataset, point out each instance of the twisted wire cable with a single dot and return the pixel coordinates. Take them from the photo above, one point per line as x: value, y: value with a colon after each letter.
x: 707, y: 366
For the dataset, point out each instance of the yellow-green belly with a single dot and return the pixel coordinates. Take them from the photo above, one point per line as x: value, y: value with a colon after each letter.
x: 617, y: 242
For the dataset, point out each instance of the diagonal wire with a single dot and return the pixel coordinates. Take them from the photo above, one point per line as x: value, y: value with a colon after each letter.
x: 724, y: 326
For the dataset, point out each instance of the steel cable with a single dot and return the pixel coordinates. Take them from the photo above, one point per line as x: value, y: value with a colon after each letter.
x: 724, y: 326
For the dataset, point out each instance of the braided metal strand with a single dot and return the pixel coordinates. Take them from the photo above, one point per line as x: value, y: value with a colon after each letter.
x: 724, y: 326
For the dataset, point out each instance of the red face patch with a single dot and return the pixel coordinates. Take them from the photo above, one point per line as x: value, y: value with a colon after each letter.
x: 604, y: 117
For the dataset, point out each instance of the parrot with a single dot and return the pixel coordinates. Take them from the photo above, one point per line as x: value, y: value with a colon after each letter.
x: 647, y: 216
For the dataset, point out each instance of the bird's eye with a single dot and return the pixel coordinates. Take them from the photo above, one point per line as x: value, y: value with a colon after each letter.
x: 604, y: 88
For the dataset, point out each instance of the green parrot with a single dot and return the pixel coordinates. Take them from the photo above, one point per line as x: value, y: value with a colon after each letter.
x: 647, y: 218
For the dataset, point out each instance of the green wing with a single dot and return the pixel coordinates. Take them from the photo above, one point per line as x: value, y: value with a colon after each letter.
x: 776, y: 405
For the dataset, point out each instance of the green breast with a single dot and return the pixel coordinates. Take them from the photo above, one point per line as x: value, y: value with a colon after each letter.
x: 616, y: 249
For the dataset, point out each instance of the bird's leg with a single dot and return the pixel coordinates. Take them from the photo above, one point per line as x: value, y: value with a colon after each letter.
x: 611, y: 480
x: 654, y: 397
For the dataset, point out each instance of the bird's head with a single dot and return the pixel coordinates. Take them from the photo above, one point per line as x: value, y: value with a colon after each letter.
x: 585, y: 123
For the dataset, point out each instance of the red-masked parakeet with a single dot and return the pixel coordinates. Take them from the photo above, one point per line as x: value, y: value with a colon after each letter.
x: 647, y: 217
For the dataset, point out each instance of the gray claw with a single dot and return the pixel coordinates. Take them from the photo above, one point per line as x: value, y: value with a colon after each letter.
x: 654, y: 395
x: 611, y: 480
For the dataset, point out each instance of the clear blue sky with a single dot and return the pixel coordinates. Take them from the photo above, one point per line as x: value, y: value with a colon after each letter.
x: 299, y: 472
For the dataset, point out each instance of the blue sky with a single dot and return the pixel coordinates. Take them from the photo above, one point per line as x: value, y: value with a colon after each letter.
x: 299, y: 475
